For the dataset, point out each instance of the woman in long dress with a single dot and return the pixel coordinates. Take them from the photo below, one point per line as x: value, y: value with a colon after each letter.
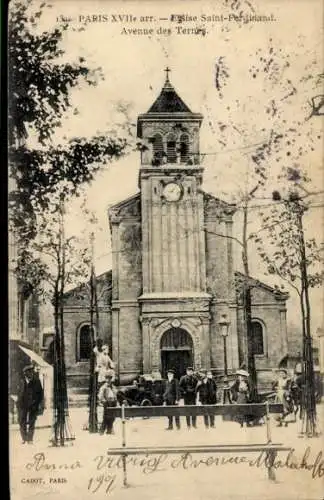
x: 241, y: 393
x: 282, y: 386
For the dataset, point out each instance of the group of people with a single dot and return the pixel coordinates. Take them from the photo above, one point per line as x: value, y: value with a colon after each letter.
x: 203, y: 390
x: 193, y: 391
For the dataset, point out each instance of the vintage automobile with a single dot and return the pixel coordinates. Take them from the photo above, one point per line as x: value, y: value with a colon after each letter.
x: 146, y: 390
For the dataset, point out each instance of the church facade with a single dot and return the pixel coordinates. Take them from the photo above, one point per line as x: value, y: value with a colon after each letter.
x: 173, y: 280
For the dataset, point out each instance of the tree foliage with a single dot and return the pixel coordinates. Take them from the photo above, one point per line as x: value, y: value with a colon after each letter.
x: 286, y: 247
x: 39, y: 81
x: 40, y: 84
x: 52, y: 262
x: 39, y: 173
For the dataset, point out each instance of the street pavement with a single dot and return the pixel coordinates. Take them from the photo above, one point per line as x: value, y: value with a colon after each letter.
x: 79, y: 469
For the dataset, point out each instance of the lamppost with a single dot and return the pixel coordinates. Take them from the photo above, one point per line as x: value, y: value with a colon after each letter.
x: 224, y: 326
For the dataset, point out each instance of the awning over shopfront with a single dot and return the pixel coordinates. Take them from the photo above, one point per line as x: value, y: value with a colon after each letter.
x: 20, y: 355
x: 35, y: 357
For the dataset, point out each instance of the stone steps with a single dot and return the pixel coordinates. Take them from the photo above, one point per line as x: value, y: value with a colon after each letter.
x: 78, y: 400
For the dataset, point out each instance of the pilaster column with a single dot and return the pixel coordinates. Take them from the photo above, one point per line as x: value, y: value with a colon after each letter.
x: 115, y: 339
x: 232, y: 344
x: 201, y: 242
x: 146, y: 345
x: 115, y: 221
x: 205, y: 344
x: 230, y: 271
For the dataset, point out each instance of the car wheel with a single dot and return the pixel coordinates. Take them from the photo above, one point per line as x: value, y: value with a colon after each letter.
x: 146, y: 402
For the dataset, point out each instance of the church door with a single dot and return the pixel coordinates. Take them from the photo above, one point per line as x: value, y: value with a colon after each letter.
x: 176, y: 351
x: 176, y: 360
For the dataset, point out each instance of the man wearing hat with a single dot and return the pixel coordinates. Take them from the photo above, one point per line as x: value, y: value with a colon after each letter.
x: 108, y: 398
x: 30, y: 397
x: 171, y: 397
x: 188, y: 384
x: 206, y: 391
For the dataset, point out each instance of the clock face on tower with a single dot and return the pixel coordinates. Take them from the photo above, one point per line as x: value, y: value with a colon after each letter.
x: 172, y: 191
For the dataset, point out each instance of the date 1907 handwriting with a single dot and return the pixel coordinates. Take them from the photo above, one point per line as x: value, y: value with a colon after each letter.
x: 101, y: 482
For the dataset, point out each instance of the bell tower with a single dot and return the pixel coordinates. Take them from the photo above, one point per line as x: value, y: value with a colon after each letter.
x: 172, y: 204
x: 172, y: 219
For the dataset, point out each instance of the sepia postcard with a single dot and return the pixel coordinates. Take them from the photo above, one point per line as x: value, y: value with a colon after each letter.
x: 166, y: 195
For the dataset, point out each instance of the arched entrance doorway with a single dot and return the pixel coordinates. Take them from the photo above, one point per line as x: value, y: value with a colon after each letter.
x: 176, y: 351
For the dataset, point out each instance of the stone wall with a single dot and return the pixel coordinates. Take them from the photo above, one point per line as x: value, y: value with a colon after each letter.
x: 270, y: 310
x: 73, y: 320
x: 128, y: 348
x: 129, y: 260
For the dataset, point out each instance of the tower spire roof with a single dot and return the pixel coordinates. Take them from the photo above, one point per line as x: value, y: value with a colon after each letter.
x: 168, y: 101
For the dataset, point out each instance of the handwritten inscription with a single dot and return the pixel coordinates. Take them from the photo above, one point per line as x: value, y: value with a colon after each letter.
x: 102, y: 482
x: 148, y: 464
x: 104, y: 478
x: 153, y: 463
x: 40, y: 463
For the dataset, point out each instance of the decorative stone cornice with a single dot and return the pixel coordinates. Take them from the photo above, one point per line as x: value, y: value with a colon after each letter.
x: 214, y: 207
x: 126, y: 209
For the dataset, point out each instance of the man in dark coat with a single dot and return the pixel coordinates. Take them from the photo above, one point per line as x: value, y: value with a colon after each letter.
x: 188, y: 384
x: 206, y: 391
x: 171, y: 396
x: 30, y: 397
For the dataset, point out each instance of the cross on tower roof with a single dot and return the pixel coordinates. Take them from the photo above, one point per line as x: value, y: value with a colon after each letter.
x: 167, y: 71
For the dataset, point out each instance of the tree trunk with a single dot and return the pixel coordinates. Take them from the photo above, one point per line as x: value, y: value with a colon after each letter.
x: 57, y: 401
x: 61, y: 429
x: 247, y: 305
x: 93, y: 417
x: 308, y: 397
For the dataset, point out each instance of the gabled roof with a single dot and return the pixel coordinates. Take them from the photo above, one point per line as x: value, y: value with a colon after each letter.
x: 240, y: 277
x: 216, y: 206
x: 82, y: 292
x: 168, y: 101
x: 131, y: 207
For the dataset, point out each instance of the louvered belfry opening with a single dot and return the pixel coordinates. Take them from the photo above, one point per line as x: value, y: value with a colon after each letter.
x: 184, y: 148
x: 176, y: 338
x: 158, y: 148
x: 171, y: 148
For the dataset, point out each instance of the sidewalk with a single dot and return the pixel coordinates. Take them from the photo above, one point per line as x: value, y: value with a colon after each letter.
x: 83, y: 468
x: 45, y: 421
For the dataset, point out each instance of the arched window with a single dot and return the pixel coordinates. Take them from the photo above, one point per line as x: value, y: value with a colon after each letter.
x: 171, y: 149
x: 184, y: 148
x: 84, y: 343
x: 158, y: 150
x: 257, y: 336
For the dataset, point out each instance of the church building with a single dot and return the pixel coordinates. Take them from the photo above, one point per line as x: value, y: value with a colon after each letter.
x: 173, y: 284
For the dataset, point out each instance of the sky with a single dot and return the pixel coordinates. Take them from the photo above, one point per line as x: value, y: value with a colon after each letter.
x: 133, y: 68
